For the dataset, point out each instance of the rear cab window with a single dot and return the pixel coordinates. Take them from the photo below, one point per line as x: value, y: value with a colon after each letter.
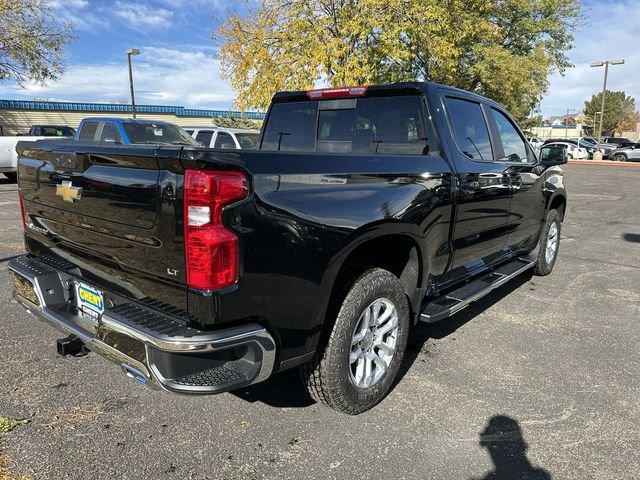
x: 224, y: 141
x: 160, y: 134
x: 391, y: 125
x: 248, y: 141
x: 110, y: 133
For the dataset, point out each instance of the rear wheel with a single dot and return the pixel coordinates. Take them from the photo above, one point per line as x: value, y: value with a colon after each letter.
x: 549, y: 244
x: 12, y: 176
x: 620, y: 157
x: 362, y: 356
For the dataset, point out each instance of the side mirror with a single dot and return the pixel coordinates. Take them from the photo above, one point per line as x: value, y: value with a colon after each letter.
x: 553, y: 155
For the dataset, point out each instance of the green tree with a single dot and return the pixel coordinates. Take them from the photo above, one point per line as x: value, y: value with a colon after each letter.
x: 619, y: 112
x: 229, y: 121
x: 32, y: 41
x: 504, y: 49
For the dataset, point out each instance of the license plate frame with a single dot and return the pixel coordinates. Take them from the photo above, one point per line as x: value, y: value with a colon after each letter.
x: 89, y: 300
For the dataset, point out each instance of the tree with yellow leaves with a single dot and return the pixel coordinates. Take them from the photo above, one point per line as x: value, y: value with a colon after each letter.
x: 32, y: 41
x: 504, y: 49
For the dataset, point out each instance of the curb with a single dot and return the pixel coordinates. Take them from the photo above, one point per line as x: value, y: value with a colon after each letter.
x: 605, y: 163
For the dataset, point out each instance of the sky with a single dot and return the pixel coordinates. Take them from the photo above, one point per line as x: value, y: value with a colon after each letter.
x: 178, y: 64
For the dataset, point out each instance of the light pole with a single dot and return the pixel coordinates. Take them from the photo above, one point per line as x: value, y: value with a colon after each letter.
x: 130, y: 53
x: 595, y: 120
x: 604, y: 64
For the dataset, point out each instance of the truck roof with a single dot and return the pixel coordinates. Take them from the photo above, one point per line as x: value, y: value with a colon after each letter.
x: 137, y: 121
x: 397, y: 88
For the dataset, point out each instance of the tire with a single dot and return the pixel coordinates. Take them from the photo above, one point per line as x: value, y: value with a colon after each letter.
x: 550, y: 233
x: 334, y: 376
x: 620, y: 157
x: 12, y: 176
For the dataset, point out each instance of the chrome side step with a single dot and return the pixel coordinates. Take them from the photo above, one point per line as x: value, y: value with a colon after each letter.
x: 454, y: 301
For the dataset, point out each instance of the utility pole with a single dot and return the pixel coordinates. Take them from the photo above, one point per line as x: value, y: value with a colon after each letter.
x: 130, y: 53
x: 604, y: 64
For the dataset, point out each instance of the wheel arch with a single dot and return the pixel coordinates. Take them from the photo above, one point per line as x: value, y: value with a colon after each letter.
x: 397, y: 251
x: 558, y: 202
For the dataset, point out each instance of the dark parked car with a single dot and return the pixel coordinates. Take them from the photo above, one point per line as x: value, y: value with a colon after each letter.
x: 620, y: 142
x: 51, y: 131
x: 365, y: 211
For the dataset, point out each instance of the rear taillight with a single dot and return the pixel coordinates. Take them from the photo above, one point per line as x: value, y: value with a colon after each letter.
x: 23, y: 212
x: 211, y: 250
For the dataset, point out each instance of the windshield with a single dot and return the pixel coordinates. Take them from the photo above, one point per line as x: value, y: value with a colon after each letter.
x: 248, y: 141
x: 51, y: 131
x: 158, y: 133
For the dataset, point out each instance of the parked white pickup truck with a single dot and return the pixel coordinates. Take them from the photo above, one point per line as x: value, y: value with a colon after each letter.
x: 225, y: 138
x: 9, y: 157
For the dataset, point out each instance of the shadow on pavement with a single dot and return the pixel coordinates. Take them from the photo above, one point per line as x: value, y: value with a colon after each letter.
x: 502, y: 437
x: 422, y: 332
x: 632, y: 237
x: 286, y: 390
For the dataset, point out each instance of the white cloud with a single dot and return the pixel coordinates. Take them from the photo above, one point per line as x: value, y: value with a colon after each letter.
x: 139, y: 15
x: 78, y: 13
x: 609, y: 32
x: 168, y: 76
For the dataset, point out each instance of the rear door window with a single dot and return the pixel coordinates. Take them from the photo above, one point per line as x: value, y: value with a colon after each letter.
x: 391, y: 126
x: 469, y: 128
x: 88, y: 131
x: 204, y: 137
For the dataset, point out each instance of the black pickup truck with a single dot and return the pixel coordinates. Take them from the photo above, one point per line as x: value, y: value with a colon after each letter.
x: 365, y: 211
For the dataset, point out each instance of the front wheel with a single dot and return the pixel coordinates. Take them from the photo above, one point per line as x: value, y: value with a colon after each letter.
x: 620, y: 157
x: 549, y: 244
x: 362, y: 355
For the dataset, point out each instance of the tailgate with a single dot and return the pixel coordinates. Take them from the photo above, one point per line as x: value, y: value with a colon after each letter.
x: 110, y: 211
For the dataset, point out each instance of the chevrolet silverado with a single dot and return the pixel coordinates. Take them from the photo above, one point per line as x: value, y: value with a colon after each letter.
x: 364, y: 211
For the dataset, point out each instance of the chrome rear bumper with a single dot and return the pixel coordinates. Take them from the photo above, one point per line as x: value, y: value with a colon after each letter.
x: 153, y: 348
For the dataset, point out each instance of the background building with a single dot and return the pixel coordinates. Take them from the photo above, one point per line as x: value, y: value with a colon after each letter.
x: 17, y: 116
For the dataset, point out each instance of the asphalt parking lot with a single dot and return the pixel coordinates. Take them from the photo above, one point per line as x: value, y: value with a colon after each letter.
x: 540, y: 380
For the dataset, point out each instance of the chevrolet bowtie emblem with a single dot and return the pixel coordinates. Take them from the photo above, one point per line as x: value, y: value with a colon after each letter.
x: 68, y: 192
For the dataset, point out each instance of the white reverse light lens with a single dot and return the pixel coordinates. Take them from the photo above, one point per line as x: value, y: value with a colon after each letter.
x: 198, y: 216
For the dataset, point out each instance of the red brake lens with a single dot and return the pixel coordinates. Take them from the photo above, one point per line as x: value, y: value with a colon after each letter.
x: 211, y: 250
x: 344, y: 92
